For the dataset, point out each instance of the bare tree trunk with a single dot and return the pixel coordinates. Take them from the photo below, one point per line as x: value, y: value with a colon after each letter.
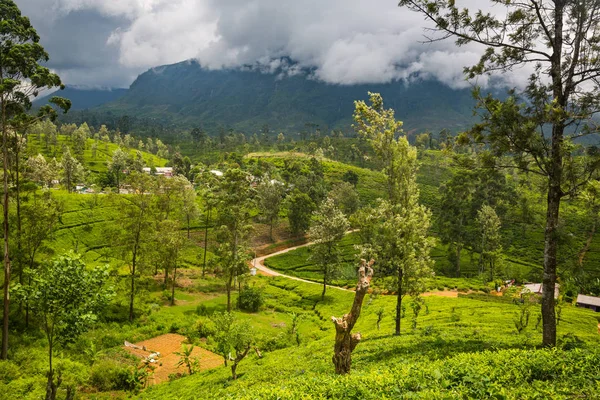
x: 6, y: 308
x: 345, y: 340
x: 132, y: 294
x: 458, y: 250
x: 228, y: 288
x: 173, y: 287
x: 399, y: 297
x: 324, y: 286
x: 205, y: 241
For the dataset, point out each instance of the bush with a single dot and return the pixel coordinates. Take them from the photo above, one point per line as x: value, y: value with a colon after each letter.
x: 9, y: 371
x: 251, y: 299
x: 203, y: 328
x: 109, y: 375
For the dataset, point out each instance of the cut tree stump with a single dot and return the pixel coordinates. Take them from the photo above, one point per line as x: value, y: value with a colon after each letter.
x: 345, y: 340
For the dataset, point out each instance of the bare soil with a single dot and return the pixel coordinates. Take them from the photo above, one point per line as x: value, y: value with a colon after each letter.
x: 166, y: 364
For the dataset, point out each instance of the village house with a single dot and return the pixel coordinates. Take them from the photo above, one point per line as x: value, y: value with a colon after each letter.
x: 165, y: 171
x: 536, y: 288
x: 591, y: 302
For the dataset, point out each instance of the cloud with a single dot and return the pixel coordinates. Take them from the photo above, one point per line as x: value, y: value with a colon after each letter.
x: 342, y: 41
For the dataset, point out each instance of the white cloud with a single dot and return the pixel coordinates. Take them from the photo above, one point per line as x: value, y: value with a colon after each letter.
x: 343, y: 41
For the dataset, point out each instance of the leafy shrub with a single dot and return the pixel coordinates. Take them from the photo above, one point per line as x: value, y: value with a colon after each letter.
x: 570, y: 341
x: 9, y: 371
x: 201, y: 309
x: 109, y: 375
x: 204, y: 327
x: 251, y: 299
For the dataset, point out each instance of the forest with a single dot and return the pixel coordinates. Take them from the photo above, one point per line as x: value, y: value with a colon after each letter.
x: 361, y: 263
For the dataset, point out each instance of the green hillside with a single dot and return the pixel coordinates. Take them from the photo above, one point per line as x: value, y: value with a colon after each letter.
x: 461, y: 348
x: 186, y: 95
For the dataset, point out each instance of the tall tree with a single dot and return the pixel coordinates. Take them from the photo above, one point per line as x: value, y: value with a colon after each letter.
x: 454, y: 220
x: 398, y: 227
x: 137, y: 226
x: 79, y: 138
x: 490, y: 246
x: 72, y: 171
x: 40, y: 217
x: 269, y: 194
x: 234, y: 202
x: 118, y: 164
x: 559, y: 39
x: 189, y: 206
x: 299, y: 210
x: 21, y: 59
x: 328, y: 229
x: 170, y: 242
x: 208, y: 186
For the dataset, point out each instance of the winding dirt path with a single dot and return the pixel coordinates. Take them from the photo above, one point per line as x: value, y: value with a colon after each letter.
x: 259, y: 264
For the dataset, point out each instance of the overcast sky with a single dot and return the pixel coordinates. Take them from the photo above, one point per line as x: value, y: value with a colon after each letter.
x: 109, y: 42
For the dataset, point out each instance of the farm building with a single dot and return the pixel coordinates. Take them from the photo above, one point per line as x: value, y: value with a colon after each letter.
x: 536, y: 288
x: 166, y: 171
x: 593, y: 303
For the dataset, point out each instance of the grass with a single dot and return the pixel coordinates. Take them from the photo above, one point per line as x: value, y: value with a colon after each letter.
x: 454, y: 337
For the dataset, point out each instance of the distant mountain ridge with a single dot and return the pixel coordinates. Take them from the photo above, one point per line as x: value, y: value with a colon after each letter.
x: 83, y: 98
x: 186, y: 95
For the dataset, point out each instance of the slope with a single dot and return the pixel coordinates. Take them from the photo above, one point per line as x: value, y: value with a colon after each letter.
x: 187, y: 95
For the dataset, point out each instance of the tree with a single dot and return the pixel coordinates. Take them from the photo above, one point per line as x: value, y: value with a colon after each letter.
x: 181, y: 165
x: 67, y: 298
x: 269, y: 194
x: 345, y: 340
x: 118, y: 164
x: 38, y: 170
x: 398, y: 227
x: 559, y: 39
x: 136, y: 227
x: 328, y: 229
x: 345, y: 197
x: 170, y: 242
x: 208, y: 189
x: 21, y: 59
x: 351, y: 177
x: 490, y: 246
x: 189, y: 206
x: 299, y: 209
x: 454, y: 220
x: 234, y: 202
x: 233, y: 336
x: 72, y: 171
x: 40, y: 217
x: 79, y: 139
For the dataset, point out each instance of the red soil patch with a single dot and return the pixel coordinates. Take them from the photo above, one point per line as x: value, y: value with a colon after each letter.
x: 167, y: 345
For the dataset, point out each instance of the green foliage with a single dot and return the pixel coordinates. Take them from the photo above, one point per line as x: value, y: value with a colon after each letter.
x: 328, y: 229
x: 108, y: 375
x: 251, y: 299
x: 191, y: 363
x: 299, y: 209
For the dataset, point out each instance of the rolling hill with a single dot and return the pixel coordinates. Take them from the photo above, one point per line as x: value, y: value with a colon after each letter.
x: 186, y: 95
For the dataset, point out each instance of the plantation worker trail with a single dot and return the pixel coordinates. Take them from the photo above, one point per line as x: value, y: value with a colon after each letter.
x: 262, y: 269
x: 258, y: 263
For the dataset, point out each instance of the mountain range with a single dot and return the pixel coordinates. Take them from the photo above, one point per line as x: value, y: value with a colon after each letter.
x: 186, y: 95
